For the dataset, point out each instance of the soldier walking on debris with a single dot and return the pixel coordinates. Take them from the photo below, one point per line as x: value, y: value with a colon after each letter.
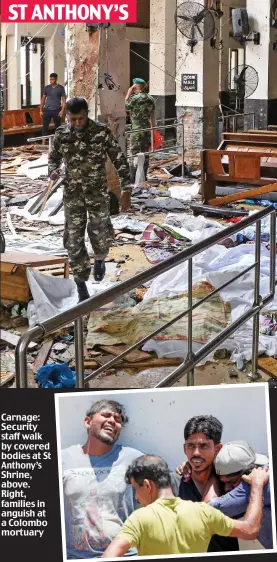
x: 83, y: 145
x: 142, y: 112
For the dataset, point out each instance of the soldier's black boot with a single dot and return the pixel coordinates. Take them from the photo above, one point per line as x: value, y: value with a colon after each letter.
x: 82, y: 290
x: 99, y: 270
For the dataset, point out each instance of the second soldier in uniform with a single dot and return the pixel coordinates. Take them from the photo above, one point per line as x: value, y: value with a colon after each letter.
x: 141, y: 107
x: 83, y: 146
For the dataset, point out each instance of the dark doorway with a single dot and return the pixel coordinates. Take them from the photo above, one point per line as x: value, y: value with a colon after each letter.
x: 139, y: 65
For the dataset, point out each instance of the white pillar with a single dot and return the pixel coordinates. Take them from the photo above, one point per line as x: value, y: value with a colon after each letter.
x: 13, y: 70
x: 114, y: 60
x: 198, y: 108
x: 163, y: 56
x: 55, y: 57
x: 264, y: 59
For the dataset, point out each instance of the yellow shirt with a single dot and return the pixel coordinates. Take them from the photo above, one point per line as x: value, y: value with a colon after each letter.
x: 174, y: 526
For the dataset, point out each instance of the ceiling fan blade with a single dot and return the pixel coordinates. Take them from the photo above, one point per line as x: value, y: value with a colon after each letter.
x: 199, y: 18
x: 199, y: 30
x: 185, y: 18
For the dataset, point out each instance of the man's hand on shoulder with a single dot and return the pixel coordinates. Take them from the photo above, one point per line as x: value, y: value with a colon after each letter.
x: 184, y: 469
x: 258, y: 476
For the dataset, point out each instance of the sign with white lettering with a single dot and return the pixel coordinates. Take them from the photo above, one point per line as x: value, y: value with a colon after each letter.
x: 189, y: 82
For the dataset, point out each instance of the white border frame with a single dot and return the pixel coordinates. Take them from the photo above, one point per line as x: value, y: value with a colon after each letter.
x: 117, y: 393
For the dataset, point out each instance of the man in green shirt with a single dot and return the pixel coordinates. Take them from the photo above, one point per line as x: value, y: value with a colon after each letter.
x: 167, y: 525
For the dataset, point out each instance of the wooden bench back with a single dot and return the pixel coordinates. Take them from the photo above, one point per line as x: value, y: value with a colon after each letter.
x: 14, y: 118
x: 18, y: 117
x: 243, y: 167
x: 252, y: 136
x: 34, y: 113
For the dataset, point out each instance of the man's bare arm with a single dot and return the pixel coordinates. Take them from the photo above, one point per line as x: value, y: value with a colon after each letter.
x: 42, y: 103
x: 63, y: 100
x: 118, y: 547
x: 248, y: 527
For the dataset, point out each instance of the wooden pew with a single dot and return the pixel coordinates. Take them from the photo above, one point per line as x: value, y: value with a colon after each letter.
x: 16, y: 121
x: 272, y: 127
x: 234, y: 166
x: 269, y: 137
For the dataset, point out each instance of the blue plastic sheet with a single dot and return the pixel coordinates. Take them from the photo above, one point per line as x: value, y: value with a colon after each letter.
x: 56, y: 376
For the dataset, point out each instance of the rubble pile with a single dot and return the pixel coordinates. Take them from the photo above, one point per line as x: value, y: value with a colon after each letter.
x: 167, y: 216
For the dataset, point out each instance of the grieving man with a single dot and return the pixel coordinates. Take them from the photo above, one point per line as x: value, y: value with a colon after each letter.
x: 97, y: 499
x: 233, y: 461
x: 202, y: 443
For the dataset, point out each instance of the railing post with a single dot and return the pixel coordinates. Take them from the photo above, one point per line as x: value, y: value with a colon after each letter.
x: 272, y: 252
x: 21, y: 374
x: 79, y: 352
x: 183, y: 148
x: 152, y: 139
x: 190, y: 375
x: 256, y: 318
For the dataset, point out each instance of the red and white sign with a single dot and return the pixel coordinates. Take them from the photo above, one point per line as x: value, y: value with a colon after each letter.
x: 79, y: 11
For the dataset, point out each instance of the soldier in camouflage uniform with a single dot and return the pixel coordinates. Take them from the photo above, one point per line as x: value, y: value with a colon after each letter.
x: 83, y: 145
x: 141, y: 107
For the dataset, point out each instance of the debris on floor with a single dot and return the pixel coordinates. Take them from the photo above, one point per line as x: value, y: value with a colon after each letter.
x: 167, y: 216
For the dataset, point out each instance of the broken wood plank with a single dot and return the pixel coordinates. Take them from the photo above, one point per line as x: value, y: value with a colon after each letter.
x: 133, y: 356
x: 42, y: 355
x: 138, y: 365
x: 246, y: 194
x: 13, y: 339
x: 46, y: 196
x: 268, y: 365
x: 88, y: 364
x: 162, y: 162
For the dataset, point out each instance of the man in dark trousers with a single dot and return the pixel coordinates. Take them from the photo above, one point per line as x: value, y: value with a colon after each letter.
x: 83, y: 145
x: 202, y: 443
x: 52, y: 104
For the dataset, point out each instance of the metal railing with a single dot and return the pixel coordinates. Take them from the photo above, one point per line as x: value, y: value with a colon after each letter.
x: 175, y: 125
x: 77, y: 313
x: 231, y: 120
x: 36, y: 139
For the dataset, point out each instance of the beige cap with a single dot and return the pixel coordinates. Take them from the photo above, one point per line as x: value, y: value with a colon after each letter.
x: 236, y: 456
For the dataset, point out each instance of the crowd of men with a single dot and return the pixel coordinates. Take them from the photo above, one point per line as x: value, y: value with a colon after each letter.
x: 119, y: 501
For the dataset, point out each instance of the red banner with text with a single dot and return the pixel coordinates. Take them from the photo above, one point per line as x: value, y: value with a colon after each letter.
x: 69, y: 12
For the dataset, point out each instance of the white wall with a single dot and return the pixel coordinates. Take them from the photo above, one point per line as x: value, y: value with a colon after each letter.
x: 258, y: 55
x: 203, y: 61
x: 157, y: 418
x: 162, y: 47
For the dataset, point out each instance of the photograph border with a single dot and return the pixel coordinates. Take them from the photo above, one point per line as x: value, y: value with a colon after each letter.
x: 98, y: 394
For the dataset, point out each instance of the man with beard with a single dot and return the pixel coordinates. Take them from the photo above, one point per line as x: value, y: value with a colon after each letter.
x: 97, y: 500
x: 202, y: 443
